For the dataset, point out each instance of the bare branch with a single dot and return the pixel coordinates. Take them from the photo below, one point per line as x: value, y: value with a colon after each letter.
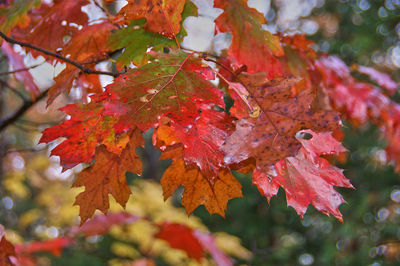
x: 74, y: 63
x: 14, y: 90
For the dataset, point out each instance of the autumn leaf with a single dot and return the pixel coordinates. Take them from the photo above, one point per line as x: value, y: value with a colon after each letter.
x: 199, y: 190
x: 53, y: 24
x: 162, y: 16
x: 136, y: 40
x: 90, y: 125
x: 251, y: 45
x: 308, y: 178
x: 107, y: 176
x: 86, y: 46
x: 270, y: 137
x: 202, y: 135
x: 175, y: 80
x: 180, y: 236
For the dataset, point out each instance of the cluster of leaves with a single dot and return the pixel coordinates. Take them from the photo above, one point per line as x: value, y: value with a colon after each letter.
x: 279, y: 126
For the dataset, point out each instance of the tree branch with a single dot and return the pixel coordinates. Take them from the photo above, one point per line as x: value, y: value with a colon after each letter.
x: 14, y: 90
x: 14, y: 117
x: 74, y: 63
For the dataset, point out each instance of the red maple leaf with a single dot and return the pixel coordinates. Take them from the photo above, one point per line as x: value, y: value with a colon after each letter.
x: 251, y: 45
x: 307, y: 178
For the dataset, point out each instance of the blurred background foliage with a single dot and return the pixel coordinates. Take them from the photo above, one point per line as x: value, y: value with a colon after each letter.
x: 36, y: 201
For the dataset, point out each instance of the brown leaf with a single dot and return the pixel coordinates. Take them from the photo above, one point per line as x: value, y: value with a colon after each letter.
x: 107, y: 176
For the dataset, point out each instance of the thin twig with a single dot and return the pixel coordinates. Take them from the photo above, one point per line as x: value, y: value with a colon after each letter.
x: 19, y: 70
x: 14, y: 90
x: 24, y: 107
x: 74, y: 63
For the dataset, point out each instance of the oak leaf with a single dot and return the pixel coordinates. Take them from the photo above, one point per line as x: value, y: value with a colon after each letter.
x: 107, y: 176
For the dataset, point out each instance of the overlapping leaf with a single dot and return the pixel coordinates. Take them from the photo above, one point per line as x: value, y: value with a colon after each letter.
x: 136, y: 40
x: 174, y: 81
x: 199, y: 190
x: 201, y: 134
x: 87, y: 46
x: 271, y: 136
x: 90, y: 125
x: 251, y: 45
x: 307, y: 178
x: 137, y: 98
x: 193, y: 242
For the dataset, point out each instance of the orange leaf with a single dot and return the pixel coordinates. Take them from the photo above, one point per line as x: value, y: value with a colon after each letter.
x: 107, y: 176
x: 198, y: 189
x: 162, y: 16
